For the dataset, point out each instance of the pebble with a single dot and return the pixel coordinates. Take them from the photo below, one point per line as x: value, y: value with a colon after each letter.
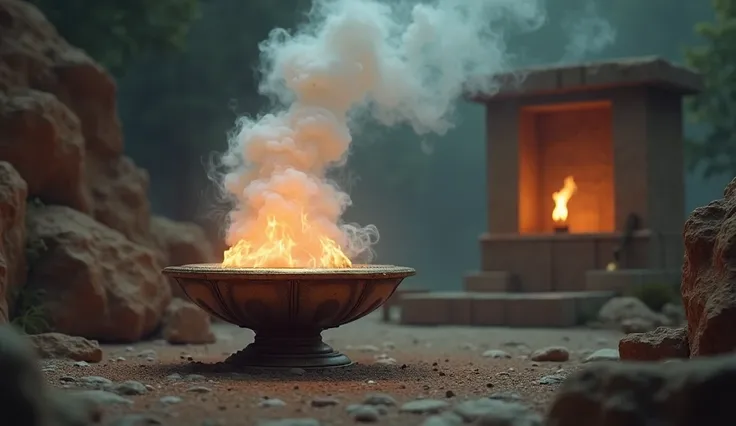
x: 94, y: 380
x: 552, y: 379
x: 446, y: 419
x: 506, y: 396
x: 129, y: 387
x: 170, y: 400
x: 603, y: 355
x: 81, y: 364
x: 496, y: 354
x: 551, y: 354
x: 194, y: 378
x: 324, y: 402
x: 271, y: 402
x: 199, y: 389
x: 365, y: 414
x: 379, y: 399
x: 495, y: 411
x: 424, y: 406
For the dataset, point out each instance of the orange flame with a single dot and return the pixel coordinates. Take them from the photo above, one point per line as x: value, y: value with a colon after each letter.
x: 561, y: 197
x: 278, y: 248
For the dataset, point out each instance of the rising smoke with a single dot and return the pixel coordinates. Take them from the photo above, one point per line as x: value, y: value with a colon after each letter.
x: 402, y: 62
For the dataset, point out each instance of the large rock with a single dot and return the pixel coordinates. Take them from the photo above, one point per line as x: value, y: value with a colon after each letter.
x: 98, y: 284
x: 630, y: 314
x: 12, y: 237
x: 33, y: 55
x: 662, y: 343
x: 709, y: 276
x: 62, y: 346
x: 43, y: 140
x: 665, y: 394
x: 180, y: 243
x: 120, y: 192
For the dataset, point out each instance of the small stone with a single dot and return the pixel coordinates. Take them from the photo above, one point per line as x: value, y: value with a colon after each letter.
x: 147, y: 353
x: 365, y: 414
x: 175, y: 376
x: 379, y: 399
x: 497, y: 412
x: 446, y: 419
x: 424, y: 406
x: 324, y: 402
x: 290, y: 422
x: 603, y: 355
x: 94, y: 381
x: 129, y: 387
x: 186, y: 323
x: 551, y: 354
x: 552, y: 379
x: 170, y: 400
x: 496, y: 354
x: 194, y: 378
x: 102, y: 397
x: 506, y: 396
x: 199, y: 389
x: 81, y: 364
x: 662, y: 343
x: 271, y: 402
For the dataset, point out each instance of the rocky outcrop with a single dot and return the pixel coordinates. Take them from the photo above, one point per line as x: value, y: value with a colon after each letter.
x: 43, y: 140
x: 709, y: 276
x: 185, y: 323
x: 12, y: 237
x: 180, y: 243
x: 662, y: 343
x: 97, y: 283
x: 625, y: 394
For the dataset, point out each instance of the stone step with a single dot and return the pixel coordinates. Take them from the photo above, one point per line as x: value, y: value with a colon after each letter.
x: 511, y: 309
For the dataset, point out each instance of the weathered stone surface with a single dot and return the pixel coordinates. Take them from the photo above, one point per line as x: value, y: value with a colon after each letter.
x: 659, y: 344
x: 623, y: 394
x: 186, y: 323
x: 43, y: 140
x: 62, y: 346
x: 120, y: 192
x: 98, y: 284
x: 33, y: 55
x: 13, y: 238
x: 709, y: 276
x: 630, y: 314
x: 180, y: 243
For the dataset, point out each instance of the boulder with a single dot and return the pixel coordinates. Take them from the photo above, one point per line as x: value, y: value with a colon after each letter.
x: 33, y: 55
x: 186, y: 323
x: 12, y: 238
x: 62, y: 346
x: 120, y: 193
x: 660, y: 344
x: 97, y: 284
x: 40, y: 130
x: 630, y: 313
x: 180, y: 243
x: 695, y: 392
x: 709, y: 276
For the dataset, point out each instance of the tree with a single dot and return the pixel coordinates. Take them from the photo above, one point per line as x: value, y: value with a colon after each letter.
x: 115, y: 32
x: 715, y: 107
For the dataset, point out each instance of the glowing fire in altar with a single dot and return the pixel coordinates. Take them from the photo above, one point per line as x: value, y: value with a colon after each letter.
x: 561, y: 197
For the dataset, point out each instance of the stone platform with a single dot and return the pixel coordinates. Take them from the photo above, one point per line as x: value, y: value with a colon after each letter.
x: 547, y: 309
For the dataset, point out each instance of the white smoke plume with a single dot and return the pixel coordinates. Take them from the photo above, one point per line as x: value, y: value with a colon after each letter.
x: 402, y: 62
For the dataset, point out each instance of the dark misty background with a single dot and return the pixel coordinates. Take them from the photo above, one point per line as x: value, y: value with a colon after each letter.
x: 185, y: 68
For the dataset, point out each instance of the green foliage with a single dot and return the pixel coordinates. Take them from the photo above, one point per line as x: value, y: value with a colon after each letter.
x: 716, y: 106
x: 29, y: 314
x: 114, y: 32
x: 656, y: 295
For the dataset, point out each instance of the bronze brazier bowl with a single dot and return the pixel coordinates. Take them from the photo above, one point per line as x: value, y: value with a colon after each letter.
x: 288, y: 308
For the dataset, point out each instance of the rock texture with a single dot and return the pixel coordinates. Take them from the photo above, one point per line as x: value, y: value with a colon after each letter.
x: 662, y: 343
x: 13, y: 191
x: 98, y: 284
x: 627, y: 394
x: 630, y: 315
x: 57, y: 345
x: 709, y: 276
x: 185, y: 323
x: 180, y: 243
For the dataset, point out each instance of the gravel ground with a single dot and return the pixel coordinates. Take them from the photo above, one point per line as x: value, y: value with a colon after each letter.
x: 450, y: 364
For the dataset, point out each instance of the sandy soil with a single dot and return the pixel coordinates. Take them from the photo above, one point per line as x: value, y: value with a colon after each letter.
x: 443, y: 363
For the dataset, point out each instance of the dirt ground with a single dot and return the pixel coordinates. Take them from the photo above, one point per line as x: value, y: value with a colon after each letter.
x: 443, y: 363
